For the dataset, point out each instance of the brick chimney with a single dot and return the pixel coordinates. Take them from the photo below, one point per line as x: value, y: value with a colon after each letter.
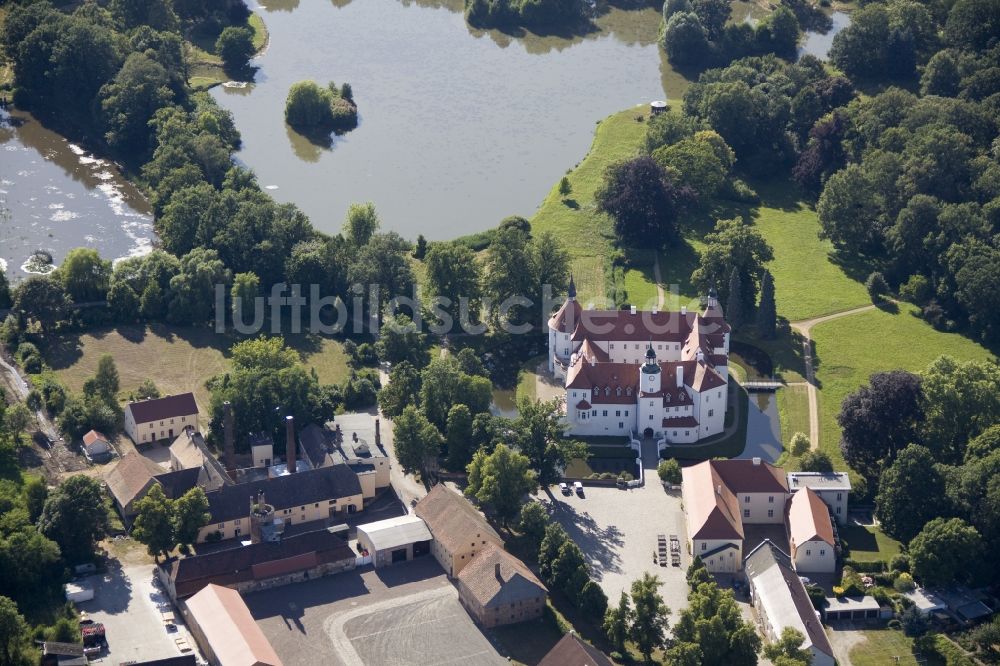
x: 228, y: 437
x: 378, y: 434
x: 290, y: 443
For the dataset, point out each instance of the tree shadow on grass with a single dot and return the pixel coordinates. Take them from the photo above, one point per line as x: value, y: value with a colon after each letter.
x: 571, y: 203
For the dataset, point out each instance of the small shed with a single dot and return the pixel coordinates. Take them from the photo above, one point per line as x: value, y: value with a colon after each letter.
x: 97, y: 447
x: 656, y: 107
x: 395, y: 539
x: 925, y: 601
x: 77, y: 592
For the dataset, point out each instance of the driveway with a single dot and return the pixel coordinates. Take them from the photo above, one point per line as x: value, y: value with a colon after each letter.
x: 131, y: 607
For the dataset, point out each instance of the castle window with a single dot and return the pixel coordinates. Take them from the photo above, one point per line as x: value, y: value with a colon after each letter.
x: 595, y: 412
x: 710, y: 412
x: 746, y: 513
x: 605, y: 412
x: 607, y: 390
x: 618, y: 391
x: 618, y: 413
x: 770, y: 513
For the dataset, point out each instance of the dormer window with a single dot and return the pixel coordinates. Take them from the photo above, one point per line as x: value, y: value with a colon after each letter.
x: 628, y: 391
x: 618, y: 391
x: 607, y: 390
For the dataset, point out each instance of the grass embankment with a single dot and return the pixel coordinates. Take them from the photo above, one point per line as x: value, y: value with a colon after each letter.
x: 793, y: 410
x: 850, y: 349
x: 176, y: 358
x: 206, y: 68
x: 574, y: 219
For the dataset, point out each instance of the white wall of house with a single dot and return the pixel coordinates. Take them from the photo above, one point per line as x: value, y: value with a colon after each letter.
x: 762, y: 508
x: 837, y: 501
x: 814, y: 556
x: 727, y: 561
x: 152, y: 431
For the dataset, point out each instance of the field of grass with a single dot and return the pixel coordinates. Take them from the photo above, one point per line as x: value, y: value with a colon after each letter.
x: 850, y: 349
x: 176, y: 358
x: 807, y: 283
x: 885, y: 646
x: 573, y: 219
x: 793, y: 411
x: 868, y: 544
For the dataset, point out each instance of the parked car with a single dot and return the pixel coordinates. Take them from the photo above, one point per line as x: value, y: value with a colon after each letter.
x: 564, y: 489
x: 578, y: 487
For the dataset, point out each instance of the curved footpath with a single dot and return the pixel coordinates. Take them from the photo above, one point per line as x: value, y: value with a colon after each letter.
x: 804, y: 327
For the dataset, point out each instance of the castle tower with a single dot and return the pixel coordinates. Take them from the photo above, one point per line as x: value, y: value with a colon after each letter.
x: 571, y: 292
x: 651, y: 376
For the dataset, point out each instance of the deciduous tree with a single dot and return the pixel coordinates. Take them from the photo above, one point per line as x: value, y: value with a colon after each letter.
x: 74, y: 516
x: 501, y: 479
x: 649, y: 620
x: 946, y: 551
x: 154, y: 522
x: 910, y: 493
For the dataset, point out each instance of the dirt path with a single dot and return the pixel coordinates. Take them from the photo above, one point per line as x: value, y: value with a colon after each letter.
x: 661, y: 296
x: 804, y: 327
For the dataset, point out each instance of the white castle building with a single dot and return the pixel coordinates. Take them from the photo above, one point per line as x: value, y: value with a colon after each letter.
x: 655, y: 374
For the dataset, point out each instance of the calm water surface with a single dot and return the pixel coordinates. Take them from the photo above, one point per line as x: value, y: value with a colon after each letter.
x: 55, y: 196
x: 458, y: 127
x: 817, y: 43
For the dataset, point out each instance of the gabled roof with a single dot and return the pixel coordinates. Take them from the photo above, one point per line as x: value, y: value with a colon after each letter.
x: 452, y: 519
x: 808, y: 519
x: 572, y: 650
x: 185, y: 449
x: 712, y: 509
x: 782, y: 595
x: 158, y: 409
x: 639, y: 327
x: 583, y: 374
x: 131, y: 476
x: 284, y: 491
x: 515, y: 582
x: 590, y: 351
x: 229, y: 629
x: 256, y: 561
x: 95, y: 436
x: 750, y: 476
x: 316, y: 442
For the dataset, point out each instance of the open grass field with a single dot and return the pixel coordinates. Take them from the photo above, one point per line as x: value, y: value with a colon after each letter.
x: 850, y: 349
x: 886, y: 646
x: 807, y: 282
x: 176, y: 358
x: 573, y: 219
x: 868, y: 544
x: 206, y: 66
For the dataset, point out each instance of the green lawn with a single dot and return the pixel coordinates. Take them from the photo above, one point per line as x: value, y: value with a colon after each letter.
x: 640, y: 282
x: 868, y: 544
x: 573, y: 219
x: 806, y: 282
x: 176, y: 358
x: 885, y: 646
x: 793, y: 411
x: 850, y: 349
x: 206, y: 66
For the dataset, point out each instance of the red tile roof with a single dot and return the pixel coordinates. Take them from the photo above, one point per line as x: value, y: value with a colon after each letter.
x: 145, y: 411
x: 94, y: 436
x: 808, y: 519
x: 567, y: 318
x: 712, y: 509
x: 680, y: 422
x: 583, y: 404
x: 743, y: 476
x: 571, y: 650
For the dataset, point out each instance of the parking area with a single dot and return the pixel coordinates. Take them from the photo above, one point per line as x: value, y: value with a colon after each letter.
x: 617, y: 530
x: 132, y: 611
x: 401, y: 615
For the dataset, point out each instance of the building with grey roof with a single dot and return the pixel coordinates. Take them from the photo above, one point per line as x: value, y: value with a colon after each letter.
x: 781, y: 601
x: 395, y: 539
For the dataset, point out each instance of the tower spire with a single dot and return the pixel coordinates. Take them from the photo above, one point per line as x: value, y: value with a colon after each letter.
x: 571, y: 292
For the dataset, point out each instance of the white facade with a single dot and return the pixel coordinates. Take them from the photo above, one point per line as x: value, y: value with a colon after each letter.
x: 814, y: 556
x: 834, y: 488
x: 670, y: 384
x: 160, y: 418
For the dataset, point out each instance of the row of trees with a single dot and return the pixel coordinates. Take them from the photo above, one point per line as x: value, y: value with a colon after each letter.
x: 546, y: 15
x: 162, y: 523
x: 929, y: 449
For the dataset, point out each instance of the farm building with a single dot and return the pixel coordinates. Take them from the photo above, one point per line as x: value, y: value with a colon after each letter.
x: 395, y: 540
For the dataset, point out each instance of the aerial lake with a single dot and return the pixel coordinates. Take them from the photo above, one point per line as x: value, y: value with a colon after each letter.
x: 55, y: 196
x: 458, y: 127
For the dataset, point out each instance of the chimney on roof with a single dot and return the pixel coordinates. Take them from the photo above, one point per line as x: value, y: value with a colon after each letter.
x: 680, y: 376
x: 718, y: 490
x: 700, y: 355
x: 684, y: 310
x: 632, y: 309
x: 756, y: 460
x: 228, y: 436
x: 497, y: 568
x: 655, y: 309
x: 290, y: 443
x: 378, y: 434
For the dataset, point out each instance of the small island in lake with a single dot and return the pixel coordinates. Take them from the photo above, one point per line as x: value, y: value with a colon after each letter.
x: 312, y: 109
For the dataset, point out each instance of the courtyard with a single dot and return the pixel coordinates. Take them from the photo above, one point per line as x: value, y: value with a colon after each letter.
x: 132, y: 608
x: 617, y: 530
x: 397, y: 616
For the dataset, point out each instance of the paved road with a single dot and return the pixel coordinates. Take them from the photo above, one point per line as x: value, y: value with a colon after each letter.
x: 804, y: 327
